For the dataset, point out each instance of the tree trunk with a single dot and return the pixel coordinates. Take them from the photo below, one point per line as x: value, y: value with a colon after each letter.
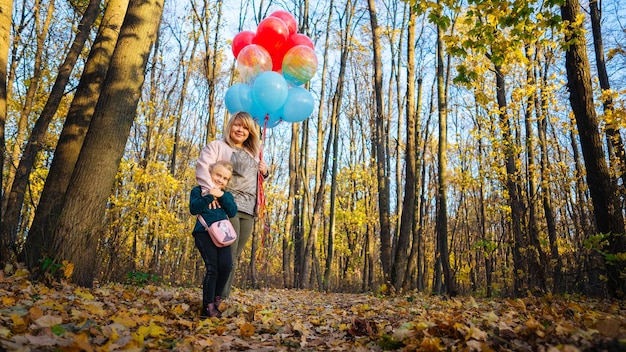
x: 333, y: 192
x: 288, y: 280
x: 417, y: 228
x: 74, y: 128
x: 379, y: 147
x: 615, y: 144
x: 22, y: 125
x: 606, y: 206
x: 442, y: 199
x: 545, y: 180
x: 76, y: 236
x: 5, y: 39
x: 408, y: 203
x: 15, y: 198
x: 538, y: 275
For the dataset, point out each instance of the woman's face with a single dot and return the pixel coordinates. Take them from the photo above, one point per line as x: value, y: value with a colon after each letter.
x: 239, y: 132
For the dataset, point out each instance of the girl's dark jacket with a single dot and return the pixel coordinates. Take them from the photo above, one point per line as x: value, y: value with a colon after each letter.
x: 199, y: 204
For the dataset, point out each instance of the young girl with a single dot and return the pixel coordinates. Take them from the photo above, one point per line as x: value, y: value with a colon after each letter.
x: 218, y: 260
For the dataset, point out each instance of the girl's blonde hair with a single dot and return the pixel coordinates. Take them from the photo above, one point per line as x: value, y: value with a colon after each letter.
x: 253, y: 143
x: 223, y: 163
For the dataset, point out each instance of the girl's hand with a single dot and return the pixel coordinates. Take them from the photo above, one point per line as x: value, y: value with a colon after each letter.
x: 217, y: 193
x: 214, y: 205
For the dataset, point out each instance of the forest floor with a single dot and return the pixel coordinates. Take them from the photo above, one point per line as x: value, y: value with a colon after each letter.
x: 116, y: 317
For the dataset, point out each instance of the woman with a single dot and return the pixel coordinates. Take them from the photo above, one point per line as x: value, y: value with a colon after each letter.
x: 241, y: 146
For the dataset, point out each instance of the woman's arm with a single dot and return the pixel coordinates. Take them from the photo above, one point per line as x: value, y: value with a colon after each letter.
x: 211, y: 153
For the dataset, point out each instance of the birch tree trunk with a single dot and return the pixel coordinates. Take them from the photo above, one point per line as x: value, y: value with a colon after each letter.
x: 442, y: 199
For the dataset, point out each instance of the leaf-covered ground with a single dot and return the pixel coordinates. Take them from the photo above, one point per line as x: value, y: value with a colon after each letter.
x: 115, y: 317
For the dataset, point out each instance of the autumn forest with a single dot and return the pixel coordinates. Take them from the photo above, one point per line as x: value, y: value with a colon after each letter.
x: 455, y: 147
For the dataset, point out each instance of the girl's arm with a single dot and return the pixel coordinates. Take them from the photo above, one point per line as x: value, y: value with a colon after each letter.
x: 227, y: 202
x: 197, y: 202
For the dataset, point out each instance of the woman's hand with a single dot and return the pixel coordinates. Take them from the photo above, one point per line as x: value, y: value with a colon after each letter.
x: 263, y: 168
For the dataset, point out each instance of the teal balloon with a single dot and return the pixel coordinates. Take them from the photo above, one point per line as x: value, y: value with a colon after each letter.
x: 298, y: 105
x: 270, y: 91
x: 238, y: 98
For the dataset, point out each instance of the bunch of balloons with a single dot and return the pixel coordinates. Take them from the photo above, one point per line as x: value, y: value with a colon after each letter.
x: 272, y: 65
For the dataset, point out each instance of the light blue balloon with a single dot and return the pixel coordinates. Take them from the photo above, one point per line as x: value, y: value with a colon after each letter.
x: 298, y: 105
x: 270, y: 90
x: 238, y: 98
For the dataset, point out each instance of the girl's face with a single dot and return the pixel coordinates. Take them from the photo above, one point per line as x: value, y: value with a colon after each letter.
x: 220, y: 176
x: 239, y: 132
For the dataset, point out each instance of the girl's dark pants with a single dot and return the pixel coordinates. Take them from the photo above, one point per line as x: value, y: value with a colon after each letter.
x: 218, y: 262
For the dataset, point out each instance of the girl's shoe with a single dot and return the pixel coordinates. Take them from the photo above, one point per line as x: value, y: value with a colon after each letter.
x: 212, y: 311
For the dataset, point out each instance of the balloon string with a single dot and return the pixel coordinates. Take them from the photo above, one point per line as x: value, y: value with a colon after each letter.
x: 261, y: 193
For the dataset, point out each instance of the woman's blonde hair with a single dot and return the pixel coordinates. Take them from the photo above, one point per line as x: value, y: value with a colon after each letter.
x: 253, y: 143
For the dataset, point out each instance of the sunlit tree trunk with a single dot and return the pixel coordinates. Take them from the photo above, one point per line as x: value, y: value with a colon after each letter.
x: 545, y: 180
x: 41, y: 30
x: 15, y: 198
x: 615, y: 144
x: 538, y: 275
x: 76, y: 236
x: 187, y: 77
x: 379, y: 146
x: 318, y: 205
x: 294, y: 187
x: 5, y: 39
x: 333, y: 190
x: 413, y: 270
x: 206, y: 13
x: 297, y: 174
x: 400, y: 267
x: 442, y: 199
x: 74, y: 131
x: 606, y: 206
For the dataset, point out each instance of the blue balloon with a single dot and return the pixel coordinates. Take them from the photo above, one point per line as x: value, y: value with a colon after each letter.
x: 238, y: 98
x: 257, y: 112
x: 270, y: 90
x: 298, y: 105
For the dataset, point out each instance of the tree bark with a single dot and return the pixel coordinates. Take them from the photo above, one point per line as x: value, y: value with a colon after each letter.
x: 76, y: 236
x: 408, y: 203
x: 615, y: 143
x: 15, y: 198
x: 442, y: 199
x: 606, y: 206
x: 6, y: 9
x: 22, y: 125
x: 379, y: 147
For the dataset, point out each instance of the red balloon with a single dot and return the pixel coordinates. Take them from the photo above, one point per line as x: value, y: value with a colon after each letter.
x: 298, y: 39
x: 241, y: 40
x: 272, y: 33
x: 288, y: 18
